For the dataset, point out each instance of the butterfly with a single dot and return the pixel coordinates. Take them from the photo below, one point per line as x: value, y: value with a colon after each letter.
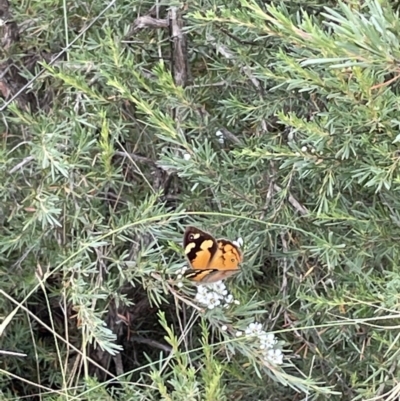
x: 210, y: 260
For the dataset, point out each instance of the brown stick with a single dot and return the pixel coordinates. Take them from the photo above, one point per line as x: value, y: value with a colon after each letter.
x: 179, y: 64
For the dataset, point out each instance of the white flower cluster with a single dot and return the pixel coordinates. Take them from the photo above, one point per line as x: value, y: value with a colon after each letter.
x: 215, y: 294
x: 308, y: 148
x: 179, y: 276
x: 266, y: 343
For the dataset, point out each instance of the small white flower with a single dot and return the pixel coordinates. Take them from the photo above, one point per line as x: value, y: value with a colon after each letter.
x: 229, y: 299
x: 297, y: 154
x: 236, y: 302
x: 239, y: 242
x: 254, y: 329
x: 224, y: 327
x: 215, y: 302
x: 180, y: 284
x: 304, y: 149
x: 275, y: 356
x: 238, y: 334
x: 186, y: 156
x: 219, y: 287
x: 201, y: 289
x: 267, y: 340
x: 312, y: 150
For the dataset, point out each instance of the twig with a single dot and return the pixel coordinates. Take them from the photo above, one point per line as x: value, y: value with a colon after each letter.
x: 152, y: 343
x: 386, y: 83
x: 270, y: 191
x: 21, y: 164
x: 179, y: 65
x: 241, y: 41
x: 229, y: 135
x: 173, y: 292
x: 135, y: 157
x: 11, y: 353
x: 148, y: 22
x: 293, y: 201
x: 285, y: 265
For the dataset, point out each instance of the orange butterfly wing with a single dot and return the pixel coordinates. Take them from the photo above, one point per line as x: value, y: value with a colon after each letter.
x: 210, y: 260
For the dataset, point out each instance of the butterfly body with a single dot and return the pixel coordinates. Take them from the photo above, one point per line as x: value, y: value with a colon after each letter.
x: 210, y: 260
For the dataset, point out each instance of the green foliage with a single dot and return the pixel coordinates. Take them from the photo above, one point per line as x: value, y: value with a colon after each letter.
x: 100, y: 175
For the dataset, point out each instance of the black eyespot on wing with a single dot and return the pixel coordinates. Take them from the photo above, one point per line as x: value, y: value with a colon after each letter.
x: 199, y: 246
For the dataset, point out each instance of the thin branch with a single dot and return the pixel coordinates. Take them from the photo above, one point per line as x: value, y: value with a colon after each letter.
x: 21, y: 164
x: 135, y: 157
x: 152, y: 343
x: 148, y: 22
x: 293, y: 201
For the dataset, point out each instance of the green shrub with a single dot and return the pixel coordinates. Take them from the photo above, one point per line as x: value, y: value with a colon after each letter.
x: 286, y: 135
